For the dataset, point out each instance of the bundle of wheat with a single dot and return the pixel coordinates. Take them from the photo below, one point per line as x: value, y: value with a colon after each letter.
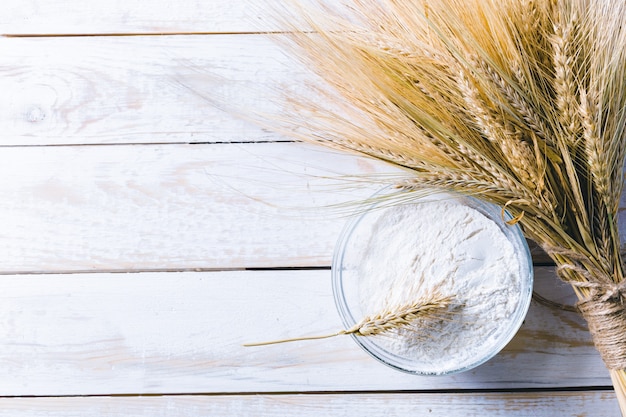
x: 519, y: 102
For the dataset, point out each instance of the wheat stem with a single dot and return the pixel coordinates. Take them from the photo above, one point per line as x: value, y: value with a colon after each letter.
x: 293, y: 339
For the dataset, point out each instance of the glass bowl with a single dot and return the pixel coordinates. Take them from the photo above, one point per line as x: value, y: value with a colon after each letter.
x: 349, y: 276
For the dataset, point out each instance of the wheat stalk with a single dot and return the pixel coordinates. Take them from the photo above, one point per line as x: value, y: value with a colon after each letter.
x: 520, y: 102
x: 430, y: 307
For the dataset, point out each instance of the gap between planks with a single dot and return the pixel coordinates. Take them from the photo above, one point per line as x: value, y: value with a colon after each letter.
x: 512, y: 391
x: 121, y: 34
x: 597, y: 403
x: 163, y: 270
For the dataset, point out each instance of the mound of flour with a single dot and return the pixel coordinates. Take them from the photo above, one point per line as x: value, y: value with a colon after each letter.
x: 414, y: 249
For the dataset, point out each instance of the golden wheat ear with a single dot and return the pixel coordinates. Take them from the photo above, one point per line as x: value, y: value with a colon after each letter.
x: 431, y: 307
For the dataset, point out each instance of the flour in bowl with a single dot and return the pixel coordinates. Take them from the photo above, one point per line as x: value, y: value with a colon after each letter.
x: 443, y: 245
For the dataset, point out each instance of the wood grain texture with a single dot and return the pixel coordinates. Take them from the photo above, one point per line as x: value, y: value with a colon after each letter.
x: 168, y: 333
x: 562, y: 404
x: 88, y: 90
x: 132, y: 16
x: 172, y: 207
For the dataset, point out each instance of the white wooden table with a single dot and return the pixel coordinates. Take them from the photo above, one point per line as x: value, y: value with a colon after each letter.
x: 146, y: 235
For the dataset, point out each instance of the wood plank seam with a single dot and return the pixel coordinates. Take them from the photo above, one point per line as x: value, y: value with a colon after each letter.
x: 122, y: 34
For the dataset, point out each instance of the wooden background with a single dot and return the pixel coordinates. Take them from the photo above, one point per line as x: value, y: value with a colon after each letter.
x: 145, y: 235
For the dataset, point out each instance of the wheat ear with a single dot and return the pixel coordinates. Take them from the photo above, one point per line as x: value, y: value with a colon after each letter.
x: 565, y: 80
x: 429, y: 307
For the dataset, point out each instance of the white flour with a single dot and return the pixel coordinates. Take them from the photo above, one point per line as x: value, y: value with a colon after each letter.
x: 415, y: 248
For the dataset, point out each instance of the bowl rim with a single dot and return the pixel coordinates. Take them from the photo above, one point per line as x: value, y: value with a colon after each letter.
x: 487, y: 209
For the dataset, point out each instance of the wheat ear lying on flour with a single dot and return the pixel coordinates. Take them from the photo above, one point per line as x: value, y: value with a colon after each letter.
x: 431, y: 307
x: 519, y: 102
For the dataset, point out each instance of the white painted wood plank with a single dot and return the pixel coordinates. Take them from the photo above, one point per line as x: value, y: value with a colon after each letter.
x: 538, y: 404
x: 183, y: 333
x: 138, y: 89
x: 134, y: 16
x: 164, y: 207
x: 173, y: 207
